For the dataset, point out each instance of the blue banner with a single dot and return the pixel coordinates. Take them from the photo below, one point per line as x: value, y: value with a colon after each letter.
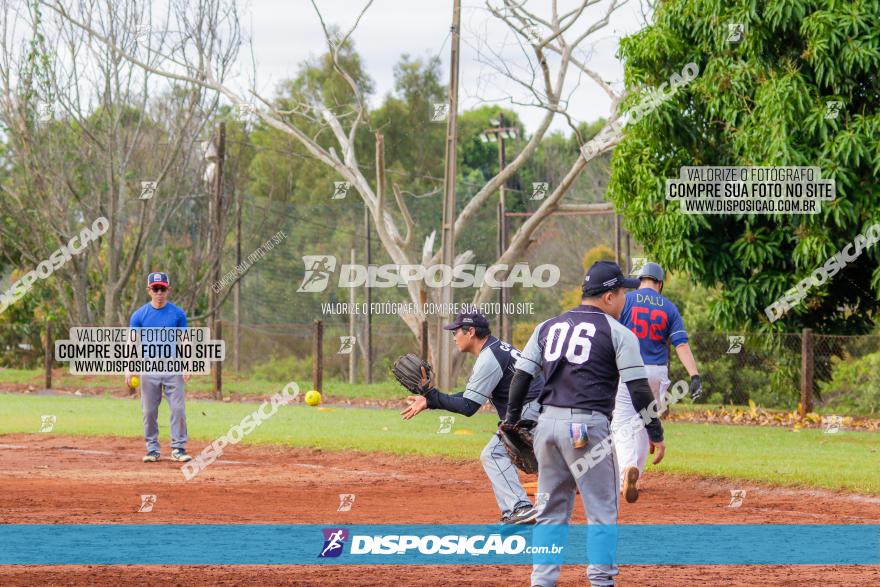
x: 280, y: 544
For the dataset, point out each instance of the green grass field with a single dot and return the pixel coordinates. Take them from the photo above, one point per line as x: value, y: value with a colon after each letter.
x: 779, y: 456
x: 240, y: 385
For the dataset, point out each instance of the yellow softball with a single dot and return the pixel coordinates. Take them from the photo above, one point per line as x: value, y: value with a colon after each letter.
x: 135, y: 381
x: 313, y: 398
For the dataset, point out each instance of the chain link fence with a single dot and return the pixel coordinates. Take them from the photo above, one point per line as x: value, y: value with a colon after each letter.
x: 736, y: 368
x: 21, y: 345
x: 281, y: 352
x: 767, y: 369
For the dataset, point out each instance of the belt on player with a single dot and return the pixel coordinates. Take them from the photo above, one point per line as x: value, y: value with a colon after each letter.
x: 557, y: 411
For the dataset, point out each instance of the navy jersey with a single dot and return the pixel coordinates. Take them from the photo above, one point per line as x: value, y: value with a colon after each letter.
x: 493, y: 371
x: 654, y: 320
x: 583, y: 355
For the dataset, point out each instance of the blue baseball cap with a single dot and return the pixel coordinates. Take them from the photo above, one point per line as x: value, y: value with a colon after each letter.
x: 604, y: 276
x: 475, y: 319
x: 157, y: 278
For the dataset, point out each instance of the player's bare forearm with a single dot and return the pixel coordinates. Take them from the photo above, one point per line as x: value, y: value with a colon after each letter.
x: 687, y: 358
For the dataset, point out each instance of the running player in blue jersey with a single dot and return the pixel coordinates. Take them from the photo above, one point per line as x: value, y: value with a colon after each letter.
x: 654, y: 320
x: 489, y: 381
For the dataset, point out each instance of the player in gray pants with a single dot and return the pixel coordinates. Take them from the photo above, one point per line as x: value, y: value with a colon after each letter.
x: 558, y: 463
x: 489, y: 381
x: 582, y: 353
x: 152, y: 387
x: 159, y: 313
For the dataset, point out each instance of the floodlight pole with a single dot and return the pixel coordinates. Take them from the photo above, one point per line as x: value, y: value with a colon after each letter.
x: 447, y: 233
x: 500, y: 132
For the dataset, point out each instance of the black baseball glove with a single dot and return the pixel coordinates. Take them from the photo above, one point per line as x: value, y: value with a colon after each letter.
x: 519, y: 443
x: 696, y: 388
x: 411, y: 371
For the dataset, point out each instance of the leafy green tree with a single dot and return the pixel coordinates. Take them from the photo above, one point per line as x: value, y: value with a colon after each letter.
x: 759, y: 102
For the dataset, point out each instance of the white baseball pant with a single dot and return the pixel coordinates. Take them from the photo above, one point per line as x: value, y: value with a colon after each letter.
x: 627, y: 428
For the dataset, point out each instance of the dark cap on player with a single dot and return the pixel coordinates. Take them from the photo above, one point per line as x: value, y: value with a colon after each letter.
x: 475, y: 319
x: 157, y: 278
x: 604, y: 276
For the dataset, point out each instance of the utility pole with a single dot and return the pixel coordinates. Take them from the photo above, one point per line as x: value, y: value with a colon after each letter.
x: 498, y: 133
x: 447, y: 238
x: 368, y: 330
x: 216, y: 244
x: 352, y: 301
x: 236, y: 293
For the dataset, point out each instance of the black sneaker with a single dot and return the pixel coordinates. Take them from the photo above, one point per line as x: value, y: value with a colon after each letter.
x: 152, y: 456
x: 524, y: 514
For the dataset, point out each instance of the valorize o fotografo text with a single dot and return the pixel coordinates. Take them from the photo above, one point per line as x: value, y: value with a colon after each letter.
x: 97, y: 350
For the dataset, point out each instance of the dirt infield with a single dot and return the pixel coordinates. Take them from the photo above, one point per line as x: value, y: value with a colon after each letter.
x: 56, y: 479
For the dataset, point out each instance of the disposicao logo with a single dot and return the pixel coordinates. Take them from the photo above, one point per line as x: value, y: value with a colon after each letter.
x: 334, y: 541
x: 318, y: 270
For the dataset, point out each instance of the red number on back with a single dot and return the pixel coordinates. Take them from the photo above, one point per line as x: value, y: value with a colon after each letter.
x: 658, y: 326
x: 641, y: 329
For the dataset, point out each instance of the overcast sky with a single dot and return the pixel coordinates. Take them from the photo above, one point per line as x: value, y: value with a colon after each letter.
x: 287, y: 32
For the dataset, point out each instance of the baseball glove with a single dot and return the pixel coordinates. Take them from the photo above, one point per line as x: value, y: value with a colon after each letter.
x: 517, y: 439
x: 409, y: 370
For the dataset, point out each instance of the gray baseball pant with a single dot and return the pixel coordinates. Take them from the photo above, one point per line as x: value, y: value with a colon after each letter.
x: 151, y: 397
x: 557, y: 483
x: 509, y: 492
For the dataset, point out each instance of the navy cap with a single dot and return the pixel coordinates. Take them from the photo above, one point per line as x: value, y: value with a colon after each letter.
x: 157, y: 278
x: 604, y: 276
x: 475, y: 319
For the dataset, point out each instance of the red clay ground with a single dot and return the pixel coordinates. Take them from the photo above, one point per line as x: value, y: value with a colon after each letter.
x: 55, y: 479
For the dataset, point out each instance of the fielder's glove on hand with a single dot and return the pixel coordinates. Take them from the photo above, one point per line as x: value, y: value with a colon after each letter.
x: 518, y: 442
x: 696, y: 388
x: 410, y: 371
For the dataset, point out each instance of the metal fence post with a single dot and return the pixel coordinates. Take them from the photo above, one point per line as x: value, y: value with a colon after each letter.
x: 806, y: 372
x: 49, y: 355
x: 424, y: 340
x: 318, y: 353
x: 352, y: 302
x: 218, y: 365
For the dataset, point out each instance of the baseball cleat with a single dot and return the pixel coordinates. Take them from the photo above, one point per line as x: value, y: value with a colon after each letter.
x: 524, y: 514
x: 630, y: 487
x: 152, y: 456
x: 179, y: 455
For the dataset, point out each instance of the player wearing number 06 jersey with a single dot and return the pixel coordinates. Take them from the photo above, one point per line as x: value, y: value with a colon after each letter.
x: 582, y: 354
x: 654, y: 320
